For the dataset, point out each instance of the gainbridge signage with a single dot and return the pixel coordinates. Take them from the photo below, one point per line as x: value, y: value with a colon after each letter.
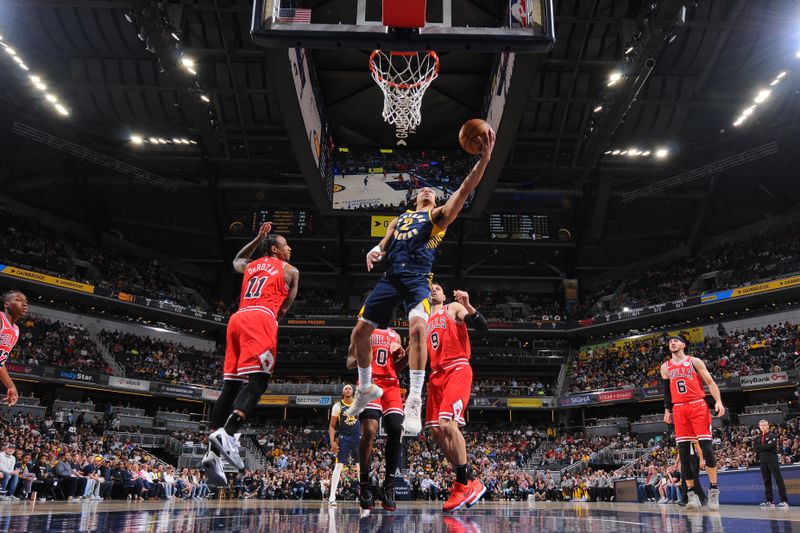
x: 46, y: 279
x: 271, y: 399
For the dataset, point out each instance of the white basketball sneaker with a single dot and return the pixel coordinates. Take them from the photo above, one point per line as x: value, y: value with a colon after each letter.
x: 363, y: 396
x: 413, y: 412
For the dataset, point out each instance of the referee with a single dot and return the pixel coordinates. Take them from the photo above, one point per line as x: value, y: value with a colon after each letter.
x: 766, y: 446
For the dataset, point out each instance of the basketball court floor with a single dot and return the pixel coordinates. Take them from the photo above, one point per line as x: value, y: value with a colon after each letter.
x: 313, y: 517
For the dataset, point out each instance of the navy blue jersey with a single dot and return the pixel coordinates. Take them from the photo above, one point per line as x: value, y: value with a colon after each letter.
x: 413, y: 245
x: 348, y: 426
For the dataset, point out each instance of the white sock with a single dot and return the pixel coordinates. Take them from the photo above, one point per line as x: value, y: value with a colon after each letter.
x: 364, y: 377
x: 416, y: 382
x: 337, y: 471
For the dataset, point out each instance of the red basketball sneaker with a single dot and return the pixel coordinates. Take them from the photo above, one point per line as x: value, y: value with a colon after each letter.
x: 458, y: 497
x: 475, y: 489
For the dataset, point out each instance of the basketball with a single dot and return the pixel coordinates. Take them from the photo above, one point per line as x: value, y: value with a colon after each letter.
x: 470, y: 135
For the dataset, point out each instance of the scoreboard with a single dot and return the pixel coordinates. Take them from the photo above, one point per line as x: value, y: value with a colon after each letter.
x: 290, y: 222
x: 519, y: 226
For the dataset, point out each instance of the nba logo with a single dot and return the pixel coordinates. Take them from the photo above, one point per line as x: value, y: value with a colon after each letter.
x: 520, y: 13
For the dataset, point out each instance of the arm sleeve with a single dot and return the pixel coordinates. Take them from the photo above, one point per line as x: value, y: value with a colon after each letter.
x: 667, y: 394
x: 477, y: 322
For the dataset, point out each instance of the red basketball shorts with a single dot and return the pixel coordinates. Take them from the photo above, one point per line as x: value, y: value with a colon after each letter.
x: 692, y: 421
x: 252, y: 339
x: 448, y: 393
x: 391, y: 401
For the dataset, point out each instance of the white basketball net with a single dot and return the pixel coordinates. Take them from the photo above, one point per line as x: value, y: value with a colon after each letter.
x: 403, y: 77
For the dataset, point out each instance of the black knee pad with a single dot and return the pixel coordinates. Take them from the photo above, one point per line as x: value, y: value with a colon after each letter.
x: 708, y: 453
x: 685, y: 453
x: 224, y: 405
x: 393, y: 425
x: 248, y: 398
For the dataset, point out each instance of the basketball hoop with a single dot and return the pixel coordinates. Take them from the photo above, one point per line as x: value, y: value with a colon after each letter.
x: 403, y: 77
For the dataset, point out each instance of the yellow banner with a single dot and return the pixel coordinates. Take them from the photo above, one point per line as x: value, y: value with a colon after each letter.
x: 768, y: 286
x: 50, y: 280
x: 692, y: 335
x: 273, y: 400
x: 379, y: 225
x: 525, y: 402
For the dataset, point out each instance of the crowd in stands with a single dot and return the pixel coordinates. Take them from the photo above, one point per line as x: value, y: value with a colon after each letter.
x: 636, y: 362
x: 47, y: 459
x: 48, y: 342
x: 511, y: 387
x: 29, y: 244
x: 152, y: 359
x: 765, y: 255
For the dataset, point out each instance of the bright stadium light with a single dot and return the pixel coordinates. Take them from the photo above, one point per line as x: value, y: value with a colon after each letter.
x: 598, y: 109
x: 136, y: 139
x: 749, y: 111
x: 614, y: 77
x: 192, y: 71
x: 10, y: 51
x: 50, y: 98
x: 646, y: 153
x: 61, y: 109
x: 205, y: 98
x: 41, y: 86
x: 187, y: 62
x: 615, y: 152
x: 762, y: 96
x: 661, y: 153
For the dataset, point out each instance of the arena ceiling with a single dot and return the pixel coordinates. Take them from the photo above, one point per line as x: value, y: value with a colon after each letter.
x: 706, y: 71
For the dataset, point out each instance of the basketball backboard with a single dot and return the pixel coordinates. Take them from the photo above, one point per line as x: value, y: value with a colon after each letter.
x: 449, y: 25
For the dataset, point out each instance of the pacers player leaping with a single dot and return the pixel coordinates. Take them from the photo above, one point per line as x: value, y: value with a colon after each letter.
x: 409, y: 247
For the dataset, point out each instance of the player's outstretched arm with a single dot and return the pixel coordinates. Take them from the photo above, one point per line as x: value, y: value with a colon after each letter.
x: 377, y: 253
x: 292, y: 276
x: 700, y: 366
x: 445, y: 215
x: 464, y: 311
x: 11, y: 390
x: 242, y: 259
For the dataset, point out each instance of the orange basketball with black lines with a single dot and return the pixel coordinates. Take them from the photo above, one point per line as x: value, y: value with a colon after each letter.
x: 471, y: 133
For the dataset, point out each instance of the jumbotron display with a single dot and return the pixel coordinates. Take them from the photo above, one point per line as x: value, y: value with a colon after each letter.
x: 295, y: 222
x: 519, y: 227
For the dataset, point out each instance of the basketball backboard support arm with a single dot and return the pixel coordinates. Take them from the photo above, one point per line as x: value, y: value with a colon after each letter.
x: 270, y: 29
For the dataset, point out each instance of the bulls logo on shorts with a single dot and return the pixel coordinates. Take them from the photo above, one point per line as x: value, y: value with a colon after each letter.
x: 267, y: 361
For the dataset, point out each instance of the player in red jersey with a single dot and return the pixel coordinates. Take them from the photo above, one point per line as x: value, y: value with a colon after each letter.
x: 15, y: 306
x: 449, y: 387
x: 268, y: 291
x: 685, y: 402
x: 388, y: 357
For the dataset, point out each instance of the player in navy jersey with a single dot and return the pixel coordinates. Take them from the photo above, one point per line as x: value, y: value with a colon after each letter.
x: 346, y: 448
x: 15, y: 306
x: 409, y: 248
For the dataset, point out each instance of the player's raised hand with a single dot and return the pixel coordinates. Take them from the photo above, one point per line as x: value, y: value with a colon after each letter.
x: 461, y: 297
x: 397, y: 350
x: 374, y: 256
x: 719, y: 408
x: 487, y: 143
x: 265, y: 228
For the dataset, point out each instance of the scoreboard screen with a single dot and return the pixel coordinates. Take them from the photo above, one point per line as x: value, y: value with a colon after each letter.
x: 294, y: 222
x: 519, y: 226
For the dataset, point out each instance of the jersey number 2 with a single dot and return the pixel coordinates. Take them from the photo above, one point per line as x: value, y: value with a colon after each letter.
x: 254, y: 286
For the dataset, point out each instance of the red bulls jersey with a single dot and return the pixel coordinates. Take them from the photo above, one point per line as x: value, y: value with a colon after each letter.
x: 448, y: 341
x: 685, y: 383
x: 264, y: 286
x: 9, y: 334
x: 381, y: 341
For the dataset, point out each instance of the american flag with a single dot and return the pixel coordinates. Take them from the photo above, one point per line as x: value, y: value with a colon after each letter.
x: 302, y: 16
